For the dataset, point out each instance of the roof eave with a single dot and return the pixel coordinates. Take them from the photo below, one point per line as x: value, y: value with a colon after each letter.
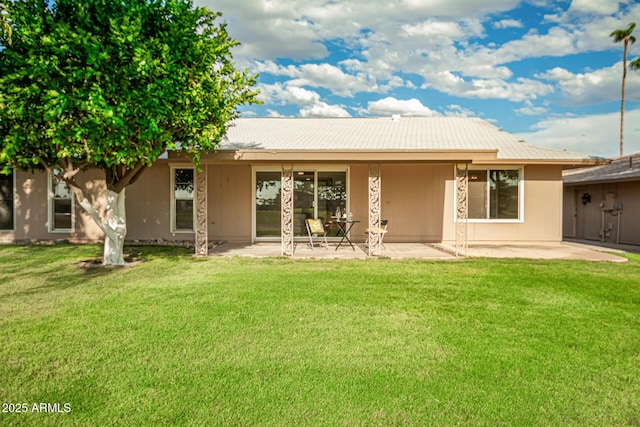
x: 566, y: 163
x: 357, y: 155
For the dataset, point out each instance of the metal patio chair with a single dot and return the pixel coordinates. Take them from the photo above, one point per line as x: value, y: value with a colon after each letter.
x: 316, y: 228
x: 382, y: 230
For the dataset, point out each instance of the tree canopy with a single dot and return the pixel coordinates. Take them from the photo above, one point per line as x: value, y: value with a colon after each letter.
x: 112, y: 84
x: 5, y: 25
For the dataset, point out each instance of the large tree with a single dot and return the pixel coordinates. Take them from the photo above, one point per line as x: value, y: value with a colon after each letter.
x: 112, y: 84
x: 5, y: 25
x: 627, y: 38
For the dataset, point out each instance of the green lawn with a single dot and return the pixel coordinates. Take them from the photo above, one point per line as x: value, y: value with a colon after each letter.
x: 184, y: 341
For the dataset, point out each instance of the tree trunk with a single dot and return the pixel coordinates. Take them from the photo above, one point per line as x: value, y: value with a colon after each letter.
x: 114, y: 226
x: 117, y: 224
x: 624, y: 83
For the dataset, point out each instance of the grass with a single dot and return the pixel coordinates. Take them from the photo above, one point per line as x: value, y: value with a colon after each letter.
x: 184, y: 341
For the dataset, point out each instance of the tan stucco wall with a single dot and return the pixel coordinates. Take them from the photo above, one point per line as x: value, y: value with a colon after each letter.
x: 586, y: 221
x: 417, y: 199
x: 412, y: 201
x: 32, y: 215
x: 542, y: 211
x: 148, y: 205
x: 229, y: 202
x: 359, y: 199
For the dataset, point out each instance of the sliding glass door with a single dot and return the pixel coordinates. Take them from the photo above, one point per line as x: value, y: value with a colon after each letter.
x: 332, y: 194
x: 304, y: 185
x: 317, y: 193
x: 268, y: 204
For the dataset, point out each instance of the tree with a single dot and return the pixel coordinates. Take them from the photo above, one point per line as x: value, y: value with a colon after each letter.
x: 635, y: 64
x: 625, y: 37
x: 5, y: 26
x: 112, y: 84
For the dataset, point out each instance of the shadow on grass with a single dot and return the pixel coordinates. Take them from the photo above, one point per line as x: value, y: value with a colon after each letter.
x: 43, y: 269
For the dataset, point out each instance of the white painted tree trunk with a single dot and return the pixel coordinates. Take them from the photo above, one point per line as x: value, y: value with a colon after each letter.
x: 114, y: 226
x: 117, y: 226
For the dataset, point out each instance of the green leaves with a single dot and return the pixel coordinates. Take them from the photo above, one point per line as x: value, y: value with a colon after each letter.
x: 107, y: 82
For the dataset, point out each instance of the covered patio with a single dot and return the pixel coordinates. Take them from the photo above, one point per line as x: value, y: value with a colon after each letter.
x: 425, y: 251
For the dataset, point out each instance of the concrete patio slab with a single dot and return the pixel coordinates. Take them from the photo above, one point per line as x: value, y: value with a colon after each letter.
x: 564, y: 250
x: 303, y: 250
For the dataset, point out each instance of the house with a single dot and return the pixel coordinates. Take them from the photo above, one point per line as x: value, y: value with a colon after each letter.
x: 602, y: 203
x: 435, y: 179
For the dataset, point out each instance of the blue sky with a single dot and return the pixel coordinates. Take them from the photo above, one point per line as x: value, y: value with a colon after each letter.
x: 544, y: 70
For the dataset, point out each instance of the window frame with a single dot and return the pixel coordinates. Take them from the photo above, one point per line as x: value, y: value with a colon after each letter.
x: 51, y: 208
x: 13, y: 203
x: 487, y: 169
x: 173, y: 227
x: 296, y: 167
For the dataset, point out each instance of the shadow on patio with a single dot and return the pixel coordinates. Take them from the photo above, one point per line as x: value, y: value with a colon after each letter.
x: 303, y: 250
x: 432, y: 251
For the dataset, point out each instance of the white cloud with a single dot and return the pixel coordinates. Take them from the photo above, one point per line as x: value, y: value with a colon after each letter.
x: 532, y: 111
x: 457, y: 110
x: 333, y: 78
x: 389, y: 106
x: 330, y: 77
x: 273, y: 113
x: 507, y: 23
x: 594, y: 87
x: 430, y: 28
x: 557, y: 42
x: 601, y: 7
x: 270, y: 67
x: 282, y: 94
x: 309, y: 101
x: 323, y: 109
x: 519, y: 91
x: 595, y: 134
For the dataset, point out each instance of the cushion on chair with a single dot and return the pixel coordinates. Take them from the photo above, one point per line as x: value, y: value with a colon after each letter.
x: 315, y: 225
x: 379, y: 230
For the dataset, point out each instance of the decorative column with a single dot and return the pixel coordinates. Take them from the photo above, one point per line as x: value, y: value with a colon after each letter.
x: 374, y: 210
x: 462, y: 208
x: 286, y: 192
x: 202, y: 242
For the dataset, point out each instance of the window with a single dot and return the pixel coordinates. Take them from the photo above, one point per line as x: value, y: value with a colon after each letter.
x: 268, y: 197
x: 183, y: 196
x: 494, y: 194
x: 6, y: 202
x: 61, y: 207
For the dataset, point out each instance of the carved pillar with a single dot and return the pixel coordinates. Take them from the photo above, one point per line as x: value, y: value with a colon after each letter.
x: 286, y: 192
x: 462, y: 208
x: 202, y: 242
x: 374, y: 209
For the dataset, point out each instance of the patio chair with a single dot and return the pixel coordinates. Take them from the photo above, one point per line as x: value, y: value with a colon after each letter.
x: 382, y: 230
x: 316, y: 228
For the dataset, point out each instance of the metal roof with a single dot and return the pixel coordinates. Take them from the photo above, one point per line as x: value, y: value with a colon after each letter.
x: 380, y: 134
x: 624, y: 168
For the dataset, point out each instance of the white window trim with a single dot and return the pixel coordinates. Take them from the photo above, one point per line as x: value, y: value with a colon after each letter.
x: 521, y: 183
x: 13, y: 210
x: 50, y: 198
x: 172, y: 190
x: 311, y: 167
